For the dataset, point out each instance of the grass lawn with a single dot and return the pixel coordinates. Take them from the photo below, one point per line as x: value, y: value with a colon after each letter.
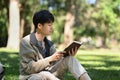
x: 100, y: 64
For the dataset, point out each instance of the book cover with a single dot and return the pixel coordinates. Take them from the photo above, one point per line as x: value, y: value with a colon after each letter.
x: 71, y: 46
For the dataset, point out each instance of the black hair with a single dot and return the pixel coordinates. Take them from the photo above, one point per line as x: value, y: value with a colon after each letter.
x: 43, y: 16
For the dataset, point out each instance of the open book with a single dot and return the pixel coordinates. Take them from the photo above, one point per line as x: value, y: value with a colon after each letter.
x: 73, y: 45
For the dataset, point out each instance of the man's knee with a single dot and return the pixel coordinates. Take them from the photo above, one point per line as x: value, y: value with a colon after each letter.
x: 43, y: 75
x: 84, y: 76
x: 35, y: 77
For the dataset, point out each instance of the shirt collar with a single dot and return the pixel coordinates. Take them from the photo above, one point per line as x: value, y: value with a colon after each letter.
x: 34, y: 41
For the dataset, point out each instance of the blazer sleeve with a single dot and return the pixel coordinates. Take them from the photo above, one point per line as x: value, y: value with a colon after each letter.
x: 28, y: 61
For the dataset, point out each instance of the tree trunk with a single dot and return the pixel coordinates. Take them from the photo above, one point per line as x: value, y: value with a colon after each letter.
x: 70, y: 17
x: 22, y: 28
x: 99, y: 43
x: 14, y: 25
x: 68, y: 30
x: 105, y: 35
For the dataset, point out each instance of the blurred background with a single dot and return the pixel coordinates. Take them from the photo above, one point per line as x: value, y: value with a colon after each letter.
x: 94, y: 22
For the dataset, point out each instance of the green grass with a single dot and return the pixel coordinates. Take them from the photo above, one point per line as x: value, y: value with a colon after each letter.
x: 100, y: 64
x: 10, y: 59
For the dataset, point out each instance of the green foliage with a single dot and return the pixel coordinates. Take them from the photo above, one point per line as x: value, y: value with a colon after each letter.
x: 58, y: 33
x: 3, y: 22
x: 91, y: 20
x: 118, y: 32
x: 100, y: 19
x: 27, y: 9
x: 105, y: 15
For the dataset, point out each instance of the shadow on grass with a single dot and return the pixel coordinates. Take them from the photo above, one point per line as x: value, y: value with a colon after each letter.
x: 11, y: 61
x: 109, y: 70
x: 98, y: 75
x: 107, y: 60
x: 101, y: 74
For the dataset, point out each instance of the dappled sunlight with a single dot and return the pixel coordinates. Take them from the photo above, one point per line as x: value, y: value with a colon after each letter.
x: 93, y: 63
x: 10, y: 60
x: 104, y: 63
x: 100, y: 64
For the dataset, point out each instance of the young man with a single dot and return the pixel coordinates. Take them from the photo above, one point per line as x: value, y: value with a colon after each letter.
x: 39, y: 60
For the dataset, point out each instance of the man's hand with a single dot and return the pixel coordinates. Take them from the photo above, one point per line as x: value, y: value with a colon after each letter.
x: 57, y: 55
x: 73, y: 51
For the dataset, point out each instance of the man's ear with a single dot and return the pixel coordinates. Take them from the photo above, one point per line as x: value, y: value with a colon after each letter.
x: 39, y: 25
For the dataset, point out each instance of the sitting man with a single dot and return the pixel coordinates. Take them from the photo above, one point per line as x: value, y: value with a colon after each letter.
x: 39, y: 59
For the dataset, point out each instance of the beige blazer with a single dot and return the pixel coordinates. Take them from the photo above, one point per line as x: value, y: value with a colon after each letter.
x: 31, y: 60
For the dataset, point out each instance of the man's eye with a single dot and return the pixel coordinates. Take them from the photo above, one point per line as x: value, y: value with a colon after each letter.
x: 50, y: 25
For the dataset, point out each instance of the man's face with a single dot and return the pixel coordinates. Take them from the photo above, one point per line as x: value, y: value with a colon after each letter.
x: 47, y: 29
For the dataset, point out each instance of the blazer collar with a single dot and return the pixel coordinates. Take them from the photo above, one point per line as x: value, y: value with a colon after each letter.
x: 34, y: 41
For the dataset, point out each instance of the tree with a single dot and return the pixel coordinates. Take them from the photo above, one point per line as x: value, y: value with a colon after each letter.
x: 14, y: 25
x: 106, y: 19
x: 99, y: 19
x: 27, y: 9
x: 69, y: 21
x: 3, y: 22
